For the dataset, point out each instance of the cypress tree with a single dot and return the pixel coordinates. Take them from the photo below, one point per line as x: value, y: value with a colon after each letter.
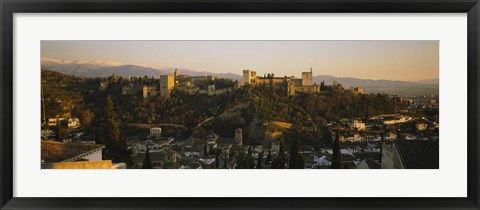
x: 292, y: 163
x: 250, y: 162
x: 147, y: 164
x: 217, y: 157
x: 269, y: 158
x: 205, y: 149
x: 57, y: 132
x: 337, y: 155
x: 111, y: 128
x: 259, y: 161
x: 327, y: 137
x: 279, y: 161
x: 282, y: 147
x: 241, y: 161
x: 213, y: 152
x: 225, y: 162
x: 61, y: 131
x: 301, y: 162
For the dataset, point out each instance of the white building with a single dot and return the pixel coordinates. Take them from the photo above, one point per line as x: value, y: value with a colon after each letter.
x: 321, y: 161
x: 155, y: 132
x: 58, y: 155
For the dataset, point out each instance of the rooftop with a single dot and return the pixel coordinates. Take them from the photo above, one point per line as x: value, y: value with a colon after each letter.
x: 53, y: 151
x: 418, y: 154
x: 154, y: 156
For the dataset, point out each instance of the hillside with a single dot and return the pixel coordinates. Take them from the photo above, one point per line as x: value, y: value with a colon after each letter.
x: 263, y: 114
x: 61, y: 93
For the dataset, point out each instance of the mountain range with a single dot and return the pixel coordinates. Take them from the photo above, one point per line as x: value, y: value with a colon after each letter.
x: 392, y: 87
x: 83, y: 68
x: 104, y: 69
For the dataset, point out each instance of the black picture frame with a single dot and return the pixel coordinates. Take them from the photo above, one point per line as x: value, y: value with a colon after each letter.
x: 10, y: 7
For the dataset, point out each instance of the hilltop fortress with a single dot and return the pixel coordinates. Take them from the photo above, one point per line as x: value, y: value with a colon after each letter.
x: 206, y: 84
x: 289, y: 85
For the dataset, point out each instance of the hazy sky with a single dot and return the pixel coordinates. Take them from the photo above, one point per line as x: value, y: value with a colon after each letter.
x: 392, y: 60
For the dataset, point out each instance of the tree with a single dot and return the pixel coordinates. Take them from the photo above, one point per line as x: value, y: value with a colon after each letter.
x: 292, y: 163
x: 205, y: 151
x: 269, y: 158
x: 112, y: 130
x: 259, y: 161
x: 337, y: 155
x: 327, y: 136
x: 147, y: 164
x: 279, y: 161
x: 115, y: 145
x: 217, y: 158
x: 335, y: 83
x: 86, y: 117
x: 301, y: 161
x: 61, y: 132
x: 225, y: 162
x: 241, y: 160
x: 282, y: 147
x: 297, y: 161
x: 250, y: 162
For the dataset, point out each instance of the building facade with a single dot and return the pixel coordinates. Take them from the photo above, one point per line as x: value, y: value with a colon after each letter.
x: 288, y: 85
x: 239, y: 136
x: 167, y: 82
x: 155, y: 132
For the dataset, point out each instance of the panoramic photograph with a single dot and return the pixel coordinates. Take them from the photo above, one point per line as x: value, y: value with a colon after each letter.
x: 239, y: 104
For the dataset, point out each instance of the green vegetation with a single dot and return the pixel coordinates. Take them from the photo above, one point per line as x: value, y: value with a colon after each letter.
x: 257, y: 110
x: 296, y: 160
x: 147, y: 163
x: 260, y: 161
x: 116, y: 147
x: 279, y: 161
x: 61, y: 131
x: 337, y: 155
x: 62, y: 93
x: 340, y: 103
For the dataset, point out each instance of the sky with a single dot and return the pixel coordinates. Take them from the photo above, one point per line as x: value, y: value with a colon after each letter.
x: 391, y: 60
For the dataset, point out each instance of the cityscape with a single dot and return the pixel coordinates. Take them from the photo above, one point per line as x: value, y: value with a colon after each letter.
x: 99, y: 114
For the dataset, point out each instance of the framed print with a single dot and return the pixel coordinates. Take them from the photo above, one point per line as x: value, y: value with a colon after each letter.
x: 239, y: 105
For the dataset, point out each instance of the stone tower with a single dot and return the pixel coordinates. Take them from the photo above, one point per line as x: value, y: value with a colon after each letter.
x: 167, y: 82
x: 145, y: 91
x: 239, y: 136
x: 249, y: 76
x: 176, y: 73
x: 307, y: 78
